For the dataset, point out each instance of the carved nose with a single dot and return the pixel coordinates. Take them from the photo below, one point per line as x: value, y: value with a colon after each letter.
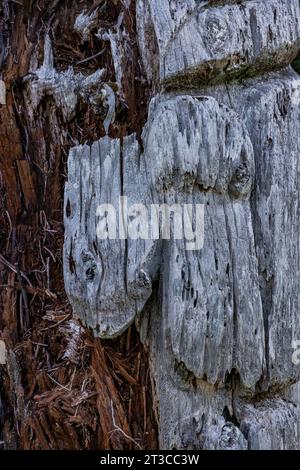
x: 241, y: 182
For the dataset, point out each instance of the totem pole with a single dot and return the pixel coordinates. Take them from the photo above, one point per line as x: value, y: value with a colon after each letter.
x: 220, y: 314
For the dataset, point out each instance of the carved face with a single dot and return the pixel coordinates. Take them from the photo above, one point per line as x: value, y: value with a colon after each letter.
x: 195, y: 152
x: 199, y: 149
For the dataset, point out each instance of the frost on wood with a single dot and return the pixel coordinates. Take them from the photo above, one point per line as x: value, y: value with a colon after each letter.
x: 219, y: 322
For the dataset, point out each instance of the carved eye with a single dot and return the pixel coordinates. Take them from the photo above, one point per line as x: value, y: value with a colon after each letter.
x: 90, y: 266
x: 91, y: 272
x: 242, y: 173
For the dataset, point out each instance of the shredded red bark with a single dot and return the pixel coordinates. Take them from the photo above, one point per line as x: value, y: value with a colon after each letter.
x: 61, y: 388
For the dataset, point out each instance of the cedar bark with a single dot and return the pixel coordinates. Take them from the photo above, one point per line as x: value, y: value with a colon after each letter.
x: 60, y: 388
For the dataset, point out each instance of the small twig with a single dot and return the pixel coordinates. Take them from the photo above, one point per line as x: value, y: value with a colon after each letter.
x: 72, y: 379
x: 42, y: 258
x: 57, y: 383
x: 53, y: 369
x: 10, y: 227
x: 56, y: 324
x: 39, y: 344
x: 90, y: 58
x: 68, y: 389
x: 117, y: 428
x: 18, y: 3
x: 31, y: 290
x: 24, y: 297
x: 50, y: 252
x: 48, y: 273
x: 12, y: 268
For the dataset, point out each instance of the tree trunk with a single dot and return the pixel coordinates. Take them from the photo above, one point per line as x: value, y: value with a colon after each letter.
x: 118, y: 115
x: 220, y: 315
x: 60, y: 388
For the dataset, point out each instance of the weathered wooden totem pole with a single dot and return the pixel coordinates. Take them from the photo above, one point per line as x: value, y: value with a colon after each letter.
x: 220, y: 315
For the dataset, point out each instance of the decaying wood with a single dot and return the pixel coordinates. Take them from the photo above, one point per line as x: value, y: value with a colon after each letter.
x: 197, y: 341
x: 206, y: 42
x: 222, y: 131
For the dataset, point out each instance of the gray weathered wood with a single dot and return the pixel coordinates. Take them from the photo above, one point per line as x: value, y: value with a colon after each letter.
x: 185, y: 42
x: 219, y: 322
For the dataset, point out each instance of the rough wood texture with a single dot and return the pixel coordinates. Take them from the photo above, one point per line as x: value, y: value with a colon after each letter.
x: 185, y: 42
x: 219, y: 322
x: 105, y: 279
x: 60, y: 387
x: 273, y: 123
